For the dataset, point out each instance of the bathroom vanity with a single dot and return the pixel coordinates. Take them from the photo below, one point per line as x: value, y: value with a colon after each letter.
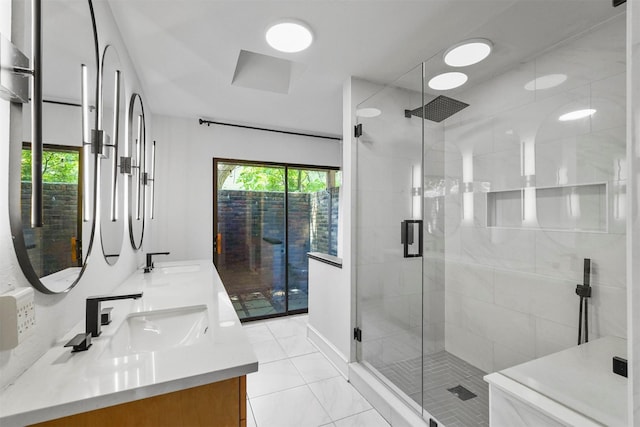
x: 574, y: 387
x: 176, y: 356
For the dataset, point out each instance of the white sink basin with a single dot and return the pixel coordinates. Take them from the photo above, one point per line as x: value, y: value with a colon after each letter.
x: 159, y: 330
x: 178, y: 269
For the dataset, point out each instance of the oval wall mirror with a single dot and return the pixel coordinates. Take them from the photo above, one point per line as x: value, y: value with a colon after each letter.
x: 136, y: 149
x: 111, y: 122
x: 53, y: 256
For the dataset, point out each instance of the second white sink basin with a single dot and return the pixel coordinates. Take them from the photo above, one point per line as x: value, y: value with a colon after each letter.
x: 180, y: 269
x: 159, y: 330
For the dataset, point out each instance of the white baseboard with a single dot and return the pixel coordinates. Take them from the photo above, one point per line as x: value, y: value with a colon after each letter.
x: 329, y: 350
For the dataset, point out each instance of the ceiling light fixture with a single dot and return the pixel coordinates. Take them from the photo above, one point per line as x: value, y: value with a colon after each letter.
x: 577, y: 115
x: 446, y: 81
x: 289, y: 36
x: 468, y: 52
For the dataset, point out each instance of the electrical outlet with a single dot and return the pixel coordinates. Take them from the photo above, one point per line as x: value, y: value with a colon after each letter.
x: 17, y: 317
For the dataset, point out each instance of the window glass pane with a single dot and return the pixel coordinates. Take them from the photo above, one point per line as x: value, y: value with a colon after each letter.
x: 250, y: 237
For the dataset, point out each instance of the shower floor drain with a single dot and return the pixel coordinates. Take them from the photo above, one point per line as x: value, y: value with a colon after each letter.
x: 461, y: 392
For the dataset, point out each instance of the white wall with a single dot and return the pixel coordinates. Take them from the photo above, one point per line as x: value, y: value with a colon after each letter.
x: 184, y: 175
x: 330, y: 312
x: 56, y: 314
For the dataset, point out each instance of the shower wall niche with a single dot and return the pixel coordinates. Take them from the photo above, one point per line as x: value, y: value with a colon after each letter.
x: 581, y: 207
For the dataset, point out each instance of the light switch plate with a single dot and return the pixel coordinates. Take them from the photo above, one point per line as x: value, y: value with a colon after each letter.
x: 17, y: 317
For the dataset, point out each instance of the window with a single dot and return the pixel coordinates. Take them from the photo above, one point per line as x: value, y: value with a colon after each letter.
x: 264, y: 227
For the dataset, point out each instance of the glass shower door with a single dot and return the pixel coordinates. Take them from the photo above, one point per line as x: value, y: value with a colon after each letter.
x: 389, y: 236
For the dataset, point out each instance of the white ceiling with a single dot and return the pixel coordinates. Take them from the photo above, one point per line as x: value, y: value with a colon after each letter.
x: 185, y: 51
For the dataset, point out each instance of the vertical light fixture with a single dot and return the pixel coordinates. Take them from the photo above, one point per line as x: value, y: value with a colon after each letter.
x: 114, y: 157
x: 86, y: 145
x: 139, y: 168
x: 151, y: 179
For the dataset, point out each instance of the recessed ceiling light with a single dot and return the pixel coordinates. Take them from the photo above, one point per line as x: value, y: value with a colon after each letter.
x: 289, y: 36
x: 446, y: 81
x: 468, y: 52
x: 546, y: 82
x: 576, y: 115
x: 368, y: 112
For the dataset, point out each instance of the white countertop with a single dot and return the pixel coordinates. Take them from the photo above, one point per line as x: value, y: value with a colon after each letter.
x: 579, y: 379
x: 62, y: 383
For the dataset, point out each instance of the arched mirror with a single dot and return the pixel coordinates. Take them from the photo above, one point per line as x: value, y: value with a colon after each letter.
x: 111, y: 123
x: 53, y: 256
x: 136, y: 149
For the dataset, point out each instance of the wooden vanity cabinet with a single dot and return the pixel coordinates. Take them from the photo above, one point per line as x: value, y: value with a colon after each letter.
x: 218, y: 404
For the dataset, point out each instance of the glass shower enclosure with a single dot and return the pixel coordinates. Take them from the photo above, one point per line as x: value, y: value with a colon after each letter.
x: 476, y: 206
x: 401, y: 188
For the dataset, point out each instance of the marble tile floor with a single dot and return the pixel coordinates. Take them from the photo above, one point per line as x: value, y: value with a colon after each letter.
x: 296, y: 385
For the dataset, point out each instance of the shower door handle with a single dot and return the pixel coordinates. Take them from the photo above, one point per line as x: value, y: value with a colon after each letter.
x: 407, y: 230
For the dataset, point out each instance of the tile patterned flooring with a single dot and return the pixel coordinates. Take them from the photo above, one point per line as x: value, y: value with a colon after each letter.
x: 443, y: 371
x: 296, y: 385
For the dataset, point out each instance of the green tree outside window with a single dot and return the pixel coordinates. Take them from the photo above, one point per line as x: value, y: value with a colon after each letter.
x: 57, y: 166
x: 256, y: 178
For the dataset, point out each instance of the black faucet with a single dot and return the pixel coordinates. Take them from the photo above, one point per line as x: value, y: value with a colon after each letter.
x: 93, y: 314
x: 94, y: 319
x: 149, y: 266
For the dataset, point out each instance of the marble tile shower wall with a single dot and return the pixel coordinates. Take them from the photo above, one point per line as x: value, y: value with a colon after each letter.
x: 510, y: 291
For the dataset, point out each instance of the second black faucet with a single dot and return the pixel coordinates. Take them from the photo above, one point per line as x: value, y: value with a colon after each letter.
x: 149, y: 266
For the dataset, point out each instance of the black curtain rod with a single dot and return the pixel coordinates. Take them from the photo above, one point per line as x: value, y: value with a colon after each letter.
x: 211, y: 122
x: 70, y: 104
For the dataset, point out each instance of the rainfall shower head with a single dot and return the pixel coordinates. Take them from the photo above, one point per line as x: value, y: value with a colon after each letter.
x: 437, y: 109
